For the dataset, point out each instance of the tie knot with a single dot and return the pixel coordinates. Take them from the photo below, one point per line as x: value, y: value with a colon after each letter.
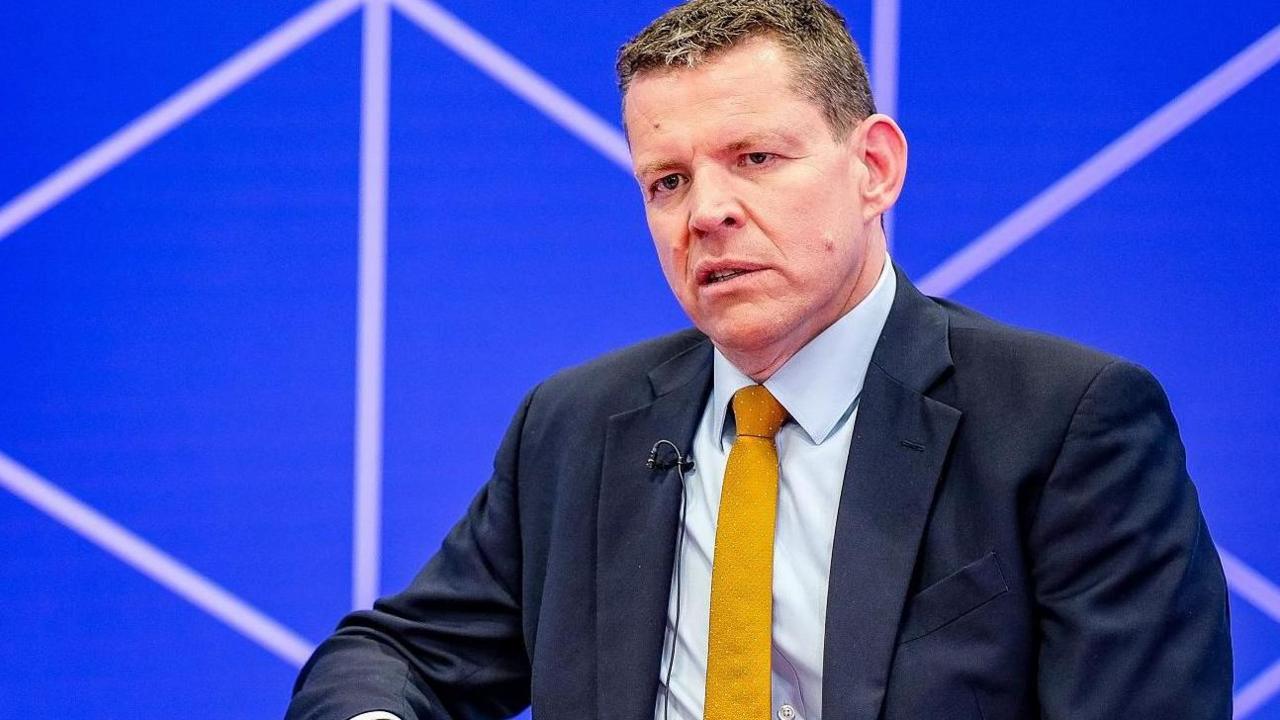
x: 757, y: 412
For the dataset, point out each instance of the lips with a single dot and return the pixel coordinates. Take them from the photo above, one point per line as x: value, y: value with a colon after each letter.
x: 723, y: 275
x: 714, y: 273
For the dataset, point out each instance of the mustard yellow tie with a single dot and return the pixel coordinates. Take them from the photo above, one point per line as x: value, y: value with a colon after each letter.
x: 741, y: 637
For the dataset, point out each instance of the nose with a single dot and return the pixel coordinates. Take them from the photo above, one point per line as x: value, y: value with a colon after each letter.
x: 713, y: 207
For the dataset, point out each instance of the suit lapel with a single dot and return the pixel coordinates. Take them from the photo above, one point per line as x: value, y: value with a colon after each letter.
x: 638, y: 516
x: 900, y: 442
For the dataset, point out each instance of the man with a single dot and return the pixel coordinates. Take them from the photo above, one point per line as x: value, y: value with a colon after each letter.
x: 896, y: 508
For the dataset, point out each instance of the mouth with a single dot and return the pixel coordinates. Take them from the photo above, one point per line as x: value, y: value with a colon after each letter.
x: 715, y: 276
x: 722, y: 275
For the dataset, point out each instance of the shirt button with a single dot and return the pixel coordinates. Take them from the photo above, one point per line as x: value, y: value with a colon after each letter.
x: 786, y: 712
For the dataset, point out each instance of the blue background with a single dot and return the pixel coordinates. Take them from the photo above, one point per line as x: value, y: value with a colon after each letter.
x: 178, y: 338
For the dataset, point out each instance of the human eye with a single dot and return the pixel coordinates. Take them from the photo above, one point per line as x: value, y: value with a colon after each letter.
x: 756, y: 159
x: 666, y: 184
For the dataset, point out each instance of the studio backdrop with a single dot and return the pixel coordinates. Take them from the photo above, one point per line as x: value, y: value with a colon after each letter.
x: 274, y: 276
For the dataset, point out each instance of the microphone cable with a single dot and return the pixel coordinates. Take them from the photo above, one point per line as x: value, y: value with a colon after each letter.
x: 682, y: 462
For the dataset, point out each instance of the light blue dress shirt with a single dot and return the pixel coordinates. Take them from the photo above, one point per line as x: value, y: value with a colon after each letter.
x: 819, y: 387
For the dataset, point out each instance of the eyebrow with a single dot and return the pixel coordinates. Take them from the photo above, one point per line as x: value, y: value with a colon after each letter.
x: 757, y: 138
x: 752, y: 139
x: 659, y: 166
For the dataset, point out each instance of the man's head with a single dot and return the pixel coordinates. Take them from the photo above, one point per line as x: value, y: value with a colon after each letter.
x: 828, y: 69
x: 763, y: 185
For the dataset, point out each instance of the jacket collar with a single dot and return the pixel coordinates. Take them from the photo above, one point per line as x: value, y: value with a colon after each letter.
x: 636, y: 533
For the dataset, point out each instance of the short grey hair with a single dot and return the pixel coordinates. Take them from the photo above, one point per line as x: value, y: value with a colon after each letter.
x: 829, y: 70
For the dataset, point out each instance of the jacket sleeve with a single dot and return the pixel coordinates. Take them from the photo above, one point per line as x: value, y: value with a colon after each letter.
x: 448, y: 646
x: 1132, y: 601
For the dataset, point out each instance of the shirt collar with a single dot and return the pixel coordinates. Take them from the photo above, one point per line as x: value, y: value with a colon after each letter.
x: 820, y: 383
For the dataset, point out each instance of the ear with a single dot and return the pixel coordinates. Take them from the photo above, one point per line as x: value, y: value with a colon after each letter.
x: 884, y: 155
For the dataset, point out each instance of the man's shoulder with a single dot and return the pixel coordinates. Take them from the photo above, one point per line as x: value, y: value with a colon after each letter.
x: 620, y: 379
x: 975, y: 335
x: 1028, y: 368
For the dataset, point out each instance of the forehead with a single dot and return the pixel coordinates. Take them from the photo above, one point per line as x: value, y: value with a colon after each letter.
x: 746, y: 88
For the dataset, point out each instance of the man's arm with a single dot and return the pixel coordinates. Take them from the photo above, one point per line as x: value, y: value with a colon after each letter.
x: 1132, y: 599
x: 451, y: 644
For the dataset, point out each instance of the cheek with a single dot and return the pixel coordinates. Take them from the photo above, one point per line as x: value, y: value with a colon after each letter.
x: 828, y: 242
x: 668, y: 238
x: 815, y: 215
x: 672, y: 252
x: 833, y: 219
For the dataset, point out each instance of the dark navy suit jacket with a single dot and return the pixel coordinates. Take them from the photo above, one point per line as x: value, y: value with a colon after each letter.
x: 1017, y: 537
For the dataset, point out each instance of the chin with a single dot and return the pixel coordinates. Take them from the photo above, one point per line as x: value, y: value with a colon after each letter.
x: 743, y: 336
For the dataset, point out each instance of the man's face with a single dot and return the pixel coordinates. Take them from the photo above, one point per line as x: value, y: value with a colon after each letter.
x: 753, y: 204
